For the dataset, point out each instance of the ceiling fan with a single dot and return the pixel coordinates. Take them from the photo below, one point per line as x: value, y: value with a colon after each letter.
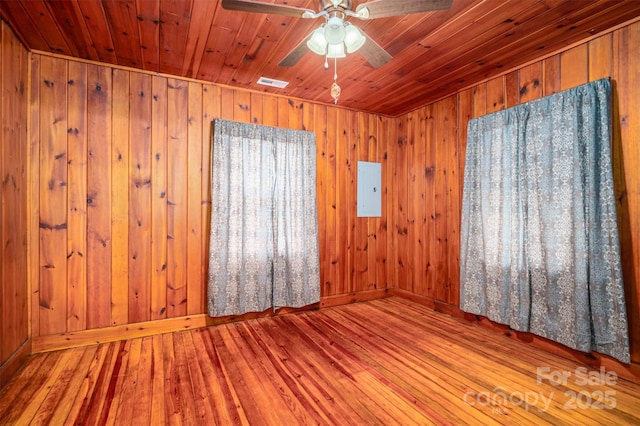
x: 337, y: 34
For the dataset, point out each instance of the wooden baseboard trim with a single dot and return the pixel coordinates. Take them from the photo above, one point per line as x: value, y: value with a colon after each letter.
x: 354, y: 297
x: 593, y: 360
x: 14, y: 363
x: 116, y: 333
x: 429, y: 302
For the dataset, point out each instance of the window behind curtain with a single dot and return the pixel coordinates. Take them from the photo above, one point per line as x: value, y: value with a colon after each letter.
x: 539, y: 238
x: 264, y: 228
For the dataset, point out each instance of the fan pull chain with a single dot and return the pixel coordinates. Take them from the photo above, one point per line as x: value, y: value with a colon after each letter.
x: 335, y: 89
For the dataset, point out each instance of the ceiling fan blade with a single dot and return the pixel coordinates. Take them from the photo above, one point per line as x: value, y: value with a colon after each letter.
x: 262, y: 7
x: 295, y: 55
x: 386, y: 8
x: 374, y: 53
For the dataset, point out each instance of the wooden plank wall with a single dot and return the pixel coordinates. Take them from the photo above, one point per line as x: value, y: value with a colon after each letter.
x: 14, y: 295
x: 430, y: 152
x: 122, y: 188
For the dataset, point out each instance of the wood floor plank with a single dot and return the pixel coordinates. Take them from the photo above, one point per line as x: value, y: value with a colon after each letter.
x: 444, y: 397
x: 467, y: 363
x: 304, y: 410
x: 519, y: 376
x: 350, y: 361
x: 59, y: 390
x: 379, y: 362
x: 203, y: 409
x: 35, y: 410
x: 224, y: 401
x: 304, y: 388
x: 423, y: 383
x: 309, y: 371
x: 272, y: 407
x: 434, y: 410
x: 142, y: 397
x: 245, y: 397
x: 72, y: 388
x: 24, y: 384
x: 158, y: 409
x: 104, y: 365
x: 522, y: 364
x: 171, y: 387
x: 332, y: 365
x: 120, y: 384
x: 184, y: 388
x: 125, y: 407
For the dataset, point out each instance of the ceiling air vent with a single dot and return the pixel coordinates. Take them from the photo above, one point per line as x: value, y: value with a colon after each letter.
x: 273, y: 82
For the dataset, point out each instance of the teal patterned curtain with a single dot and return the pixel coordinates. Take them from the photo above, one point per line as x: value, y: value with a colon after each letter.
x: 263, y: 249
x: 539, y: 237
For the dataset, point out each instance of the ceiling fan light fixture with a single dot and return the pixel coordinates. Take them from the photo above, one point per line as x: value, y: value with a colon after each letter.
x: 334, y: 31
x: 317, y: 43
x: 336, y: 51
x: 353, y: 38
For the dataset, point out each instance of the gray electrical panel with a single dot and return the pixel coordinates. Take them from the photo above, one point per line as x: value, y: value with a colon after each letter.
x: 369, y: 189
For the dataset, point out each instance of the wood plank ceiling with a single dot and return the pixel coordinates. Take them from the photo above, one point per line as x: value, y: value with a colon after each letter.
x: 434, y: 53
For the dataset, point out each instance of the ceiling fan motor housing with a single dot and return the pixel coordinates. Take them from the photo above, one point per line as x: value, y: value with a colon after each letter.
x: 334, y: 30
x: 344, y: 4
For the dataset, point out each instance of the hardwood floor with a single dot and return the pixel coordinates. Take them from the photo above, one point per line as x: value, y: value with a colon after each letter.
x: 388, y: 361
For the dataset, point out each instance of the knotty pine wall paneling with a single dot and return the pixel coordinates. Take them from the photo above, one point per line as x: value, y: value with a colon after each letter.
x: 355, y: 133
x: 177, y: 201
x: 320, y: 124
x: 444, y: 136
x: 112, y: 214
x: 195, y: 296
x: 139, y: 185
x: 511, y: 89
x: 440, y: 215
x: 378, y: 142
x: 77, y: 213
x: 14, y: 294
x: 625, y: 63
x: 527, y: 84
x: 54, y: 187
x: 124, y: 186
x: 343, y: 282
x: 330, y: 229
x: 446, y: 223
x: 33, y: 167
x: 426, y: 285
x: 399, y: 200
x: 159, y: 208
x: 360, y: 133
x: 210, y: 109
x: 415, y: 202
x: 454, y: 205
x: 550, y: 76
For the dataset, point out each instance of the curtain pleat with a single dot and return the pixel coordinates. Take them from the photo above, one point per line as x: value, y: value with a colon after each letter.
x: 296, y: 236
x: 539, y: 237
